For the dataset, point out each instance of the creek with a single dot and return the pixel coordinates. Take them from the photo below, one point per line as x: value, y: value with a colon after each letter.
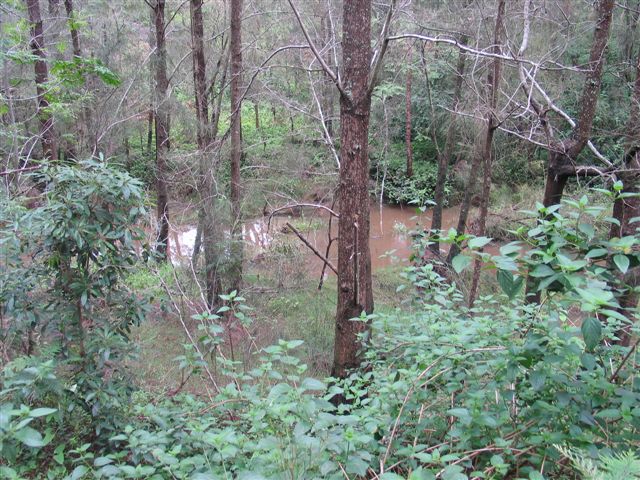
x: 390, y: 239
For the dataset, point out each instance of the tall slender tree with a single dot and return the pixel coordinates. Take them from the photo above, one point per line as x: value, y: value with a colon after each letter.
x: 47, y: 133
x: 236, y: 144
x: 73, y: 28
x: 444, y: 158
x: 359, y: 75
x: 407, y: 110
x: 161, y: 104
x: 205, y: 154
x: 491, y: 124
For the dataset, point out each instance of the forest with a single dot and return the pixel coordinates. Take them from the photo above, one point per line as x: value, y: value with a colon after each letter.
x: 319, y: 239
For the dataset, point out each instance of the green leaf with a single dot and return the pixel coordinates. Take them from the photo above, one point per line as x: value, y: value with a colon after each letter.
x: 460, y: 262
x: 510, y: 248
x: 542, y: 271
x: 458, y: 412
x: 30, y: 437
x: 102, y: 461
x: 478, y: 242
x: 79, y: 472
x: 596, y: 253
x: 312, y: 384
x: 390, y: 476
x: 421, y: 474
x: 588, y: 361
x: 42, y: 412
x: 622, y: 262
x: 537, y: 380
x: 591, y: 332
x: 510, y: 285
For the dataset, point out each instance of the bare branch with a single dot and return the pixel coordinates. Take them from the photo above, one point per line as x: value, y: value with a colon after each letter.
x: 332, y: 75
x: 378, y: 56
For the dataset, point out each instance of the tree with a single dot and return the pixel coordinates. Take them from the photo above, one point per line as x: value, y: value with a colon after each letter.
x: 236, y: 144
x: 407, y: 131
x: 47, y: 133
x: 563, y: 154
x: 492, y: 121
x: 444, y: 158
x: 205, y: 137
x: 73, y: 29
x: 162, y: 131
x: 360, y: 72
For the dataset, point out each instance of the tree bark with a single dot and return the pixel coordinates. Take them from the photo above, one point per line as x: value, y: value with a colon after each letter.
x: 206, y: 226
x: 563, y: 155
x: 327, y: 84
x: 493, y: 85
x: 407, y: 129
x: 47, y: 133
x: 354, y: 259
x: 75, y: 39
x: 162, y: 131
x: 236, y: 144
x: 85, y: 120
x: 445, y: 158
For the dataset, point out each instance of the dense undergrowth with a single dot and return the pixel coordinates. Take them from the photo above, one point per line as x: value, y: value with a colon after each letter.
x: 504, y: 390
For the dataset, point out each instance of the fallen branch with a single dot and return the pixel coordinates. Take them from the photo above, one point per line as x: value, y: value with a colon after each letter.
x: 312, y: 248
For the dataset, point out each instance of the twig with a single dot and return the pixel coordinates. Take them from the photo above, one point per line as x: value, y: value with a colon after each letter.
x: 615, y: 374
x: 313, y: 249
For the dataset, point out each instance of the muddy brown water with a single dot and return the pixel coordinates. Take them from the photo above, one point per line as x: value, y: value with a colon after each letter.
x: 390, y: 237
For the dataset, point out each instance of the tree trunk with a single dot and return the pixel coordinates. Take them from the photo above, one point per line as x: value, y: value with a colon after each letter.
x: 236, y: 144
x: 445, y: 158
x: 85, y: 120
x: 152, y: 73
x: 407, y: 128
x: 206, y: 226
x: 47, y: 134
x: 256, y: 112
x: 354, y: 259
x: 75, y: 39
x: 162, y: 132
x: 562, y: 158
x: 493, y: 85
x: 327, y: 84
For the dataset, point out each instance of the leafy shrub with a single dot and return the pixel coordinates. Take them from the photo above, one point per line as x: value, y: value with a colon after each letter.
x: 444, y: 391
x: 62, y: 295
x: 398, y: 189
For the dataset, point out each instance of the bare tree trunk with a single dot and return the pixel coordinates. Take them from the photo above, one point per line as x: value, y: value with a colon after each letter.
x: 445, y: 158
x: 465, y: 206
x: 47, y: 134
x: 152, y: 73
x: 236, y: 144
x: 354, y: 259
x: 256, y: 112
x: 493, y: 85
x: 85, y: 120
x: 73, y: 30
x: 206, y: 226
x: 563, y: 155
x: 162, y: 131
x: 407, y: 129
x: 327, y: 84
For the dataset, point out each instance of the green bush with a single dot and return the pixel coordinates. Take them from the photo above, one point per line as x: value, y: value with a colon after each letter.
x: 398, y: 188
